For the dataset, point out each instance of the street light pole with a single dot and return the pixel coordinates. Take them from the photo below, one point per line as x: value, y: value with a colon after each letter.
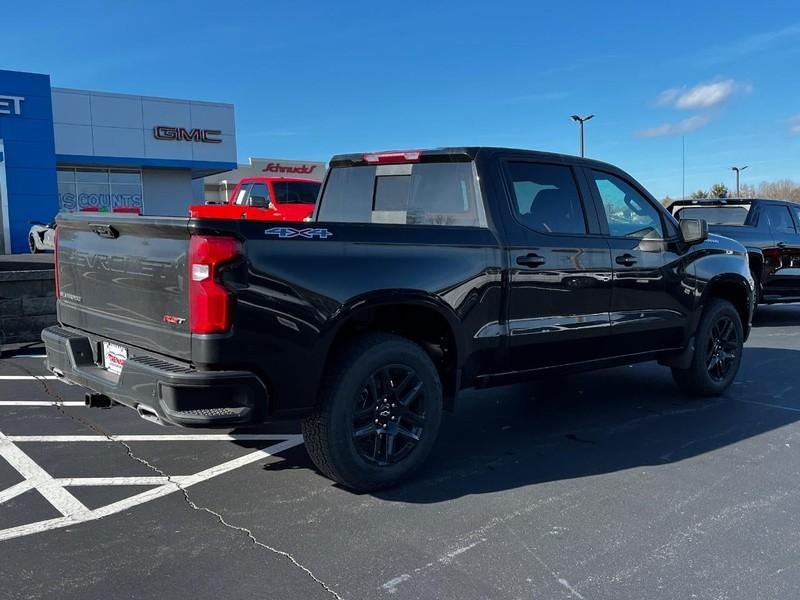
x: 738, y: 171
x: 581, y: 121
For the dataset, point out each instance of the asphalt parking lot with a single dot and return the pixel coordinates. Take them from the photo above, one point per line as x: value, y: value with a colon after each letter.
x: 605, y: 485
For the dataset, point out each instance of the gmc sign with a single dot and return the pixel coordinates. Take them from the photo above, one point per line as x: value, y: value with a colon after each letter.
x: 179, y: 134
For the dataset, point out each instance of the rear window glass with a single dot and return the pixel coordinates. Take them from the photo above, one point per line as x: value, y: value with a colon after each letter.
x: 296, y: 192
x: 408, y: 194
x: 715, y: 215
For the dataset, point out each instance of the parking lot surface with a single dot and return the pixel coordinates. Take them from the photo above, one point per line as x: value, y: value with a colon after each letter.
x: 604, y: 485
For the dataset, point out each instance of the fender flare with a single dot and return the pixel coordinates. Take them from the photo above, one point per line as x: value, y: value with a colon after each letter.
x: 380, y: 298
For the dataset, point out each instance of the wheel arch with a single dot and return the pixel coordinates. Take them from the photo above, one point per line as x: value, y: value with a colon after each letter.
x: 735, y: 289
x: 417, y: 317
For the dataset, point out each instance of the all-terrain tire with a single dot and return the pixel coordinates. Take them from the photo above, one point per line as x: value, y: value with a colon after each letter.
x: 700, y: 379
x: 329, y: 431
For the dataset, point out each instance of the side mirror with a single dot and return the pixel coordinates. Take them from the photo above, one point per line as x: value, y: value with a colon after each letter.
x: 694, y: 231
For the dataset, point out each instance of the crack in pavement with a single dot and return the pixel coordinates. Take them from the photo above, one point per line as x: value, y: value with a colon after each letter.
x: 58, y: 401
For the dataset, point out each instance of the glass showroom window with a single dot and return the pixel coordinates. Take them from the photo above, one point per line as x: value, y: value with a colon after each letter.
x: 105, y: 190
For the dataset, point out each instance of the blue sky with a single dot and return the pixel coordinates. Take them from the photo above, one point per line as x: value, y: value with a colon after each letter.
x: 313, y: 79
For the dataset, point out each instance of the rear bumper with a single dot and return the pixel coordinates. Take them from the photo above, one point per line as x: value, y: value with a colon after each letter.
x: 167, y: 392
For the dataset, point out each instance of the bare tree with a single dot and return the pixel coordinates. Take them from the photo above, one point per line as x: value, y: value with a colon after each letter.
x: 748, y: 191
x: 784, y: 189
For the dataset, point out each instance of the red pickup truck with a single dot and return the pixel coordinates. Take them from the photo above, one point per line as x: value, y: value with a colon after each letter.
x: 265, y: 199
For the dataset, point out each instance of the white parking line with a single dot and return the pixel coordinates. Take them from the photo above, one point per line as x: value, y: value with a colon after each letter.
x: 789, y: 408
x: 27, y: 377
x: 15, y: 490
x: 94, y: 481
x: 41, y: 403
x: 74, y: 512
x: 67, y: 504
x: 189, y: 437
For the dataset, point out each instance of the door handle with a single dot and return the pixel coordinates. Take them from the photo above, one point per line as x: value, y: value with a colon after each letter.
x: 244, y: 215
x: 627, y: 260
x: 530, y: 260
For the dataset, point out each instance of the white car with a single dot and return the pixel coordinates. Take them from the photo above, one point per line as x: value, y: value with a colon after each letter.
x: 41, y: 237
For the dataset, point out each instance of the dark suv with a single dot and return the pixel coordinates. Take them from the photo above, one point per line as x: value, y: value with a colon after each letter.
x: 421, y: 274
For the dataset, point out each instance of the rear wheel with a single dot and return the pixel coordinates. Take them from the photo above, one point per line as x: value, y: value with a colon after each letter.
x: 378, y: 415
x: 717, y: 353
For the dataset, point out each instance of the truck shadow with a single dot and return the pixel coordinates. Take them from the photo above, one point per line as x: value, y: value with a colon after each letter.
x: 591, y: 424
x: 596, y: 423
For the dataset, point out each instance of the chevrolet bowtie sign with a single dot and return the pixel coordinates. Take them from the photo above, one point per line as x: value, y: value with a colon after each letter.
x: 180, y: 134
x: 11, y: 105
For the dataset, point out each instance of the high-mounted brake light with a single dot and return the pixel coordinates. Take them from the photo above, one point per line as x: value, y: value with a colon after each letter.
x: 210, y: 304
x: 391, y: 157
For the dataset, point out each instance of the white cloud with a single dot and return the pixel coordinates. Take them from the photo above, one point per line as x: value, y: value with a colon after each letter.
x: 794, y: 125
x: 704, y: 95
x: 681, y: 127
x: 755, y: 44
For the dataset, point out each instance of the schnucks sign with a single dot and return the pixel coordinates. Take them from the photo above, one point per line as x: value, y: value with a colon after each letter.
x: 276, y: 167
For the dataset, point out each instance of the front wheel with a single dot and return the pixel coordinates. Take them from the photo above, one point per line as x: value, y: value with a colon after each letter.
x: 717, y: 352
x: 32, y: 245
x: 378, y: 414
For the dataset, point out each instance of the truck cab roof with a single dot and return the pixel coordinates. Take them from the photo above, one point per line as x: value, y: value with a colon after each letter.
x: 459, y: 154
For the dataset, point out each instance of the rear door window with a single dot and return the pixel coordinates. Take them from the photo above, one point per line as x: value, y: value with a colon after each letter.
x: 296, y: 192
x: 796, y: 211
x: 408, y: 194
x: 780, y: 220
x: 546, y: 198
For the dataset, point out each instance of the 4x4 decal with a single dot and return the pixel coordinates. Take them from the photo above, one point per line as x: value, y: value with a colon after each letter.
x: 291, y: 232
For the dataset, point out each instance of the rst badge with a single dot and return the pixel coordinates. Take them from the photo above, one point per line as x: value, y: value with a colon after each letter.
x: 307, y: 233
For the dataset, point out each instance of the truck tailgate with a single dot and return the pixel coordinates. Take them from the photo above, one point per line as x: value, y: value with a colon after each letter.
x: 124, y: 277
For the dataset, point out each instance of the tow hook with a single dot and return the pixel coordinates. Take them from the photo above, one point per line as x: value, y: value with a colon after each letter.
x: 98, y: 401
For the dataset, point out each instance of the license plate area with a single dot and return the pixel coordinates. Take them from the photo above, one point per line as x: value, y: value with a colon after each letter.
x: 114, y: 357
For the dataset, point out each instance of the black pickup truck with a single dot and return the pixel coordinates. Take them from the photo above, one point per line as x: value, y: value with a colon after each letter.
x: 422, y: 273
x: 768, y: 229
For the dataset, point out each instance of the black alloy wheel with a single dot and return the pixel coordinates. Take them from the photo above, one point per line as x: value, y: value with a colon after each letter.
x: 722, y: 348
x: 717, y: 351
x: 378, y: 413
x: 389, y: 416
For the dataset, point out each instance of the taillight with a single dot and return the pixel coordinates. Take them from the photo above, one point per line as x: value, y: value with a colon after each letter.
x: 392, y: 157
x: 55, y: 261
x: 210, y: 304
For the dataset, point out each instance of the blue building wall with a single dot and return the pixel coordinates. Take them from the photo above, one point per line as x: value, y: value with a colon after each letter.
x: 30, y: 157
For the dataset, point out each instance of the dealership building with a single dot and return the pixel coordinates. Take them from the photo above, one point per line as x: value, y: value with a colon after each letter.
x: 65, y: 149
